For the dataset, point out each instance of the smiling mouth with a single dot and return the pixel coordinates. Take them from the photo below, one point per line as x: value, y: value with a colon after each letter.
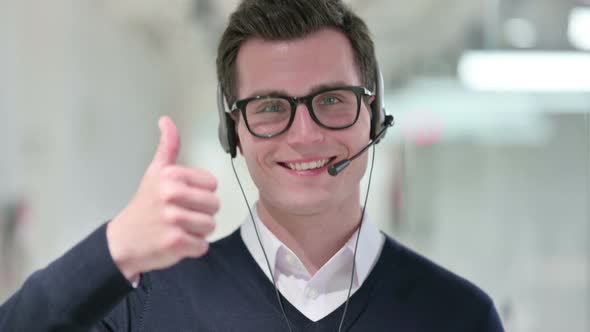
x: 307, y: 166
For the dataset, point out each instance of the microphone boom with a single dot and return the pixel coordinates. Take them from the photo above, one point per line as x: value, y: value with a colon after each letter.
x: 338, y: 167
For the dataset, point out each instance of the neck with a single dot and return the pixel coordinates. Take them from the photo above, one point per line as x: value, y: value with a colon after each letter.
x: 313, y: 237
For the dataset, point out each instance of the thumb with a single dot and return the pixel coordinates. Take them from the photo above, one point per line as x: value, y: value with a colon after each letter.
x: 169, y: 145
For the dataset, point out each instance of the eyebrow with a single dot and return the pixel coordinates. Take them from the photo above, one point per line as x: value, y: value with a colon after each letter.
x: 312, y: 90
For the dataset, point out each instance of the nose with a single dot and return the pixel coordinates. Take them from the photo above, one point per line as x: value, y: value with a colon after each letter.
x: 304, y: 130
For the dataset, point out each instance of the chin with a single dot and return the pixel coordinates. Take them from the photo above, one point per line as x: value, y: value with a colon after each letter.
x: 299, y: 203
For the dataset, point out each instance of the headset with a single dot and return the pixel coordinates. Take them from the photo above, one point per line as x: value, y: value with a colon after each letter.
x: 379, y: 118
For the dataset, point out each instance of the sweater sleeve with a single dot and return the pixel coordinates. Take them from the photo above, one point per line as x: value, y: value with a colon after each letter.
x: 73, y: 293
x: 492, y: 322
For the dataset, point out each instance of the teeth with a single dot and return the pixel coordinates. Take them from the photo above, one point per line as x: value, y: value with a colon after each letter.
x: 309, y: 165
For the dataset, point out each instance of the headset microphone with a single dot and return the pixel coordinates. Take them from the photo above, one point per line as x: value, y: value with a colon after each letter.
x: 338, y: 167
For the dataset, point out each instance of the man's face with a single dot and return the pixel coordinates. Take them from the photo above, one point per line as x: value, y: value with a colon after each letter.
x: 297, y: 68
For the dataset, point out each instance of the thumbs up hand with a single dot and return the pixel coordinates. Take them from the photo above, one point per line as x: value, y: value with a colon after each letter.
x: 170, y: 215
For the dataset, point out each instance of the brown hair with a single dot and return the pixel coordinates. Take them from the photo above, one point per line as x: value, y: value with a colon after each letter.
x: 291, y: 19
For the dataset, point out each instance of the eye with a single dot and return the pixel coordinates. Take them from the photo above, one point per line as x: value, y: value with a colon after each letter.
x: 329, y: 100
x: 273, y: 107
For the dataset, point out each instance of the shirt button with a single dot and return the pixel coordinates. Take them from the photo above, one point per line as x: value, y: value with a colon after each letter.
x: 312, y: 293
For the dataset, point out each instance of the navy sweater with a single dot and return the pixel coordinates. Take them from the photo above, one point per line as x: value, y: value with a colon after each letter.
x: 227, y: 291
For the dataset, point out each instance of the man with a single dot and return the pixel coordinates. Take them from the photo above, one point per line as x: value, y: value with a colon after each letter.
x: 291, y: 266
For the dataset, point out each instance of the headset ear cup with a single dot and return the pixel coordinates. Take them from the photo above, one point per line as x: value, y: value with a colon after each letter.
x: 231, y: 135
x: 226, y: 130
x: 375, y: 119
x: 377, y: 106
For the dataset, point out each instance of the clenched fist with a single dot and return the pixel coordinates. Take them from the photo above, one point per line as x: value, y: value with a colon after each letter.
x: 170, y: 215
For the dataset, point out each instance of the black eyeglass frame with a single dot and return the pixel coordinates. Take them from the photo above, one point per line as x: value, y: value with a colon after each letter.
x: 359, y: 91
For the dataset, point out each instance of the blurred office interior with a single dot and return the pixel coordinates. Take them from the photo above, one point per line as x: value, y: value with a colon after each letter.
x: 487, y: 170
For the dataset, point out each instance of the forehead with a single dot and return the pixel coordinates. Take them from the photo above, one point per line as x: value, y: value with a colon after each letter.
x: 295, y: 66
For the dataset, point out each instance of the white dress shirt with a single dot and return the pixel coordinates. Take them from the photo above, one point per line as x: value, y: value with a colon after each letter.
x: 318, y: 295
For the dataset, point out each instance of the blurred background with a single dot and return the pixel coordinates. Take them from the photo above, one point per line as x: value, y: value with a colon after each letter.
x: 487, y: 170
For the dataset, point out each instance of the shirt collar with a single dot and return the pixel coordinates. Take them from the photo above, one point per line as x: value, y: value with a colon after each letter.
x: 369, y: 245
x: 269, y: 241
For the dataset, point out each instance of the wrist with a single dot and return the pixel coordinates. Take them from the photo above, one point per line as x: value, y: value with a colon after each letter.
x: 121, y: 256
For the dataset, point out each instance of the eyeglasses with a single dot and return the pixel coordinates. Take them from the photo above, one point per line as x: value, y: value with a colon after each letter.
x: 334, y: 108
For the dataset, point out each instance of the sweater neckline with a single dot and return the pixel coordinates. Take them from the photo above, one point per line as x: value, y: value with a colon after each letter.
x: 357, y: 303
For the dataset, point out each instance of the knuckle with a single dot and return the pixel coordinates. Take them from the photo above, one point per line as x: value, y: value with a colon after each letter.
x: 215, y: 204
x: 175, y: 240
x: 208, y: 225
x: 171, y: 216
x: 168, y: 193
x: 201, y: 247
x: 169, y: 172
x: 198, y: 249
x: 213, y: 182
x: 208, y: 180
